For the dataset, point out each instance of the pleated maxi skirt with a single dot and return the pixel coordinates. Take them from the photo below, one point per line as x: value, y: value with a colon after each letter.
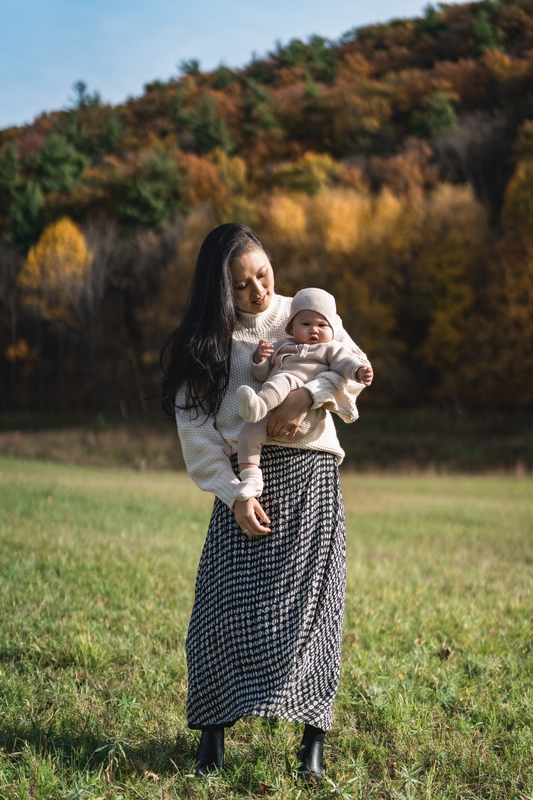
x: 265, y: 632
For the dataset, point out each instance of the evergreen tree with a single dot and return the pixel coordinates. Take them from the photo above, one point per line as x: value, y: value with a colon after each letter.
x: 83, y: 98
x: 210, y: 130
x: 487, y: 37
x: 189, y: 66
x: 258, y: 113
x: 58, y: 166
x: 261, y: 70
x: 311, y: 89
x: 25, y: 213
x: 9, y: 175
x: 113, y: 132
x: 154, y: 192
x: 108, y: 134
x: 432, y: 21
x: 318, y: 56
x: 75, y: 132
x: 104, y: 134
x: 222, y: 77
x: 206, y: 129
x: 436, y: 115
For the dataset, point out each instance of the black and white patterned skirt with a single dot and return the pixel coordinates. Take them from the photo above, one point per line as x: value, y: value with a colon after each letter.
x: 265, y: 631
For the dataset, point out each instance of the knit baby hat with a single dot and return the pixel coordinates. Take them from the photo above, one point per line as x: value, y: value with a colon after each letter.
x: 314, y: 300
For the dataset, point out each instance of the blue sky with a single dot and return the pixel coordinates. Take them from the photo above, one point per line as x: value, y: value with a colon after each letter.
x: 116, y: 46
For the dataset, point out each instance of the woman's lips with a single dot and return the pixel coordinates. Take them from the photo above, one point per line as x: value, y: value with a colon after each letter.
x: 260, y: 301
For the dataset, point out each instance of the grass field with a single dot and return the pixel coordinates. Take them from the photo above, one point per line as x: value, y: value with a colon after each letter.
x: 96, y: 584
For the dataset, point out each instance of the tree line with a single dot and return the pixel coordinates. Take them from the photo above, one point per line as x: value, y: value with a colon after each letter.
x: 393, y: 167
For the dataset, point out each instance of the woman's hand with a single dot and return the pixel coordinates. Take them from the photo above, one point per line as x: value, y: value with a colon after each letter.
x: 247, y: 513
x: 287, y: 417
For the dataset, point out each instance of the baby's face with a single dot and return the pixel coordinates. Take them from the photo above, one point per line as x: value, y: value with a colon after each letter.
x: 310, y: 327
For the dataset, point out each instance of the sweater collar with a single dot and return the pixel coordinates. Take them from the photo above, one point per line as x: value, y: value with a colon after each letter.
x: 262, y: 321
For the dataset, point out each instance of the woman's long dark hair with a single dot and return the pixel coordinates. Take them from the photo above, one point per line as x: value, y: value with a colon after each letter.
x: 199, y: 351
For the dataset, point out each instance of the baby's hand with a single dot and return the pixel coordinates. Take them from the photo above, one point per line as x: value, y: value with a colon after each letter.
x: 264, y: 350
x: 365, y: 375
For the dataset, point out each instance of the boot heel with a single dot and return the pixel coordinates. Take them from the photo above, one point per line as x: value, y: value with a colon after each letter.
x: 311, y: 759
x: 210, y: 754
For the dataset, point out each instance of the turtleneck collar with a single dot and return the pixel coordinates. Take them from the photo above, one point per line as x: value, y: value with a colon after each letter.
x: 264, y: 319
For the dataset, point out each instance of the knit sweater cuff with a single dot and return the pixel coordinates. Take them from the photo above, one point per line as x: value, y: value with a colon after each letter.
x: 318, y: 394
x: 225, y: 490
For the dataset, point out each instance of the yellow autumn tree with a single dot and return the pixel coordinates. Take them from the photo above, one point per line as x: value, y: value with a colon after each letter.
x: 382, y: 255
x: 331, y: 239
x: 518, y: 204
x: 239, y: 206
x: 309, y: 174
x: 52, y: 278
x: 447, y: 268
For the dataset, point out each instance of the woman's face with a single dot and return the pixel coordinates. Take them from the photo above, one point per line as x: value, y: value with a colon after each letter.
x: 253, y: 281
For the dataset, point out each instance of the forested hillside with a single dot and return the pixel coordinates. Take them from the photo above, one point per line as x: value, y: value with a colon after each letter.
x: 393, y: 167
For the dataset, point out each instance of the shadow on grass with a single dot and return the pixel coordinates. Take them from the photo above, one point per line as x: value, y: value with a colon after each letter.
x: 88, y: 752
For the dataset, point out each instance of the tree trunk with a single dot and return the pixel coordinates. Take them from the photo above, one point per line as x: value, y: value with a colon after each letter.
x: 138, y: 377
x: 13, y: 381
x: 40, y: 366
x: 61, y: 367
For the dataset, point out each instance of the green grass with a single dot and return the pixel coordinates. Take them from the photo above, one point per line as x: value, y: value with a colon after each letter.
x: 96, y: 584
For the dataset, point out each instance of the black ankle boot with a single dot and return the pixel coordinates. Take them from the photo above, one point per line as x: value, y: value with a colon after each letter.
x: 311, y: 756
x: 210, y: 753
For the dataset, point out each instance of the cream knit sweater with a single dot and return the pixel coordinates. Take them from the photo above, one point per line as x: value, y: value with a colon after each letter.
x: 208, y: 442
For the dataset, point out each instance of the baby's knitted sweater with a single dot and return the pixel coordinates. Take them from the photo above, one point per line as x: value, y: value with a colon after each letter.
x: 208, y: 442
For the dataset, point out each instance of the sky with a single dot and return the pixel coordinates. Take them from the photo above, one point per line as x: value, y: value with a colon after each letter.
x: 117, y: 46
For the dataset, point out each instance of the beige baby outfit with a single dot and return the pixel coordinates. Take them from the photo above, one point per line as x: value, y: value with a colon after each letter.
x: 291, y: 366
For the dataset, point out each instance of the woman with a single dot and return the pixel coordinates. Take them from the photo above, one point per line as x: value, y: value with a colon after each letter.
x: 265, y: 631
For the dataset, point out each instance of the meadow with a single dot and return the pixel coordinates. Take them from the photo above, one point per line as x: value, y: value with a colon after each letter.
x: 97, y: 574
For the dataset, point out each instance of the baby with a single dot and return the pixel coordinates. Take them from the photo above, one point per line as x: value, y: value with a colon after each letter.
x: 287, y: 365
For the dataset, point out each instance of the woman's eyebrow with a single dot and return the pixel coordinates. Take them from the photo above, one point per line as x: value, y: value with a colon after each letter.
x: 247, y: 278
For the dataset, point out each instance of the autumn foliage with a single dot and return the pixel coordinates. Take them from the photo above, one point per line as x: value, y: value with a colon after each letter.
x: 393, y: 167
x: 53, y: 274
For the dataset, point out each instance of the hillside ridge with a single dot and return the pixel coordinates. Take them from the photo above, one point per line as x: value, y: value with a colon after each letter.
x: 393, y: 167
